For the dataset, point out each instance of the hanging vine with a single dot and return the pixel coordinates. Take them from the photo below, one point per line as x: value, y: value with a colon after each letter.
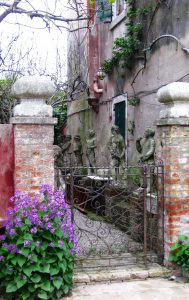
x: 125, y: 48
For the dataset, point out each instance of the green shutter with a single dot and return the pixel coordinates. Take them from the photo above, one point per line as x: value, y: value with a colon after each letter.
x: 104, y: 11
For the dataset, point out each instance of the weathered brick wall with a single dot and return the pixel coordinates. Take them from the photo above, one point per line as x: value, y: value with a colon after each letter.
x: 34, y: 160
x: 174, y: 144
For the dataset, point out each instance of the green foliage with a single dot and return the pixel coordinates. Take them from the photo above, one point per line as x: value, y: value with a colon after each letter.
x: 134, y: 101
x: 60, y: 112
x: 6, y: 99
x: 135, y: 176
x: 125, y: 48
x: 179, y: 252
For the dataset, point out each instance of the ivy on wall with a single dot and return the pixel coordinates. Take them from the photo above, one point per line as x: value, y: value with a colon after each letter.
x: 125, y: 48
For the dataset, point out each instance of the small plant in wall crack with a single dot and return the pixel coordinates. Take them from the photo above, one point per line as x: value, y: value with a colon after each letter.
x: 134, y: 101
x: 131, y: 127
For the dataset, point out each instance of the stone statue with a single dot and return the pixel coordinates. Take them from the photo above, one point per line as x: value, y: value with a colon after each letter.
x: 91, y: 145
x: 117, y: 151
x: 66, y: 149
x: 78, y: 151
x: 146, y: 147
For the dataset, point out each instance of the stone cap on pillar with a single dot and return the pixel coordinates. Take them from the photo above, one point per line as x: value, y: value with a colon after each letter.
x: 175, y: 97
x: 33, y: 91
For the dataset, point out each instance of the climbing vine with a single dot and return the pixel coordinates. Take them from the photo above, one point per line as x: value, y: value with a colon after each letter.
x: 125, y: 48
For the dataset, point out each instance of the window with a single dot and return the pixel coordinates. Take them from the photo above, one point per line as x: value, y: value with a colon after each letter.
x: 117, y: 8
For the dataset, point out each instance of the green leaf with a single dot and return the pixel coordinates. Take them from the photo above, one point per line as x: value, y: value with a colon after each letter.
x: 54, y: 270
x: 20, y: 282
x: 28, y: 270
x: 60, y: 254
x: 11, y: 287
x: 31, y: 288
x: 51, y: 260
x: 42, y: 295
x: 25, y: 295
x: 21, y: 260
x: 45, y: 268
x: 47, y: 235
x: 25, y: 251
x: 14, y: 261
x: 35, y: 278
x: 58, y: 282
x: 46, y: 286
x: 27, y: 222
x: 59, y: 233
x: 66, y: 289
x: 63, y: 265
x: 68, y: 278
x: 28, y: 236
x: 10, y: 256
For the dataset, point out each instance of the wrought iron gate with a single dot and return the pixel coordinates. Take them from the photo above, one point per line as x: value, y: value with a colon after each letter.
x: 115, y: 216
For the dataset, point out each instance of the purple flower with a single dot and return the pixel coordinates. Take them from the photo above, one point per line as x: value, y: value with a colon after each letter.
x: 1, y: 257
x: 18, y: 222
x: 33, y: 230
x: 11, y: 247
x: 46, y: 189
x: 46, y: 218
x: 2, y: 237
x: 52, y: 230
x: 51, y: 245
x: 60, y: 243
x: 26, y: 243
x: 51, y: 278
x: 183, y: 242
x: 37, y: 244
x: 12, y: 232
x: 48, y: 225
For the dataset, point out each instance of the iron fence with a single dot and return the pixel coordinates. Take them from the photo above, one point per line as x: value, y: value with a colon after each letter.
x: 116, y: 214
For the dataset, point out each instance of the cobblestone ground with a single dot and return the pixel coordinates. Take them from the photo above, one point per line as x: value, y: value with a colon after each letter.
x: 151, y: 289
x: 99, y: 237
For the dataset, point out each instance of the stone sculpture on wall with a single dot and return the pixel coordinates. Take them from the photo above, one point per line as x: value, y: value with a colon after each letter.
x: 146, y: 147
x: 78, y: 150
x: 117, y: 152
x: 91, y: 146
x: 66, y: 149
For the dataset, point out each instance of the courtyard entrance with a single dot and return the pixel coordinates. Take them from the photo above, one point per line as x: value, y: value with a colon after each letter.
x: 118, y: 219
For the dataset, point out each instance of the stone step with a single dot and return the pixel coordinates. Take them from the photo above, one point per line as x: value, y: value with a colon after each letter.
x: 114, y: 261
x: 118, y: 275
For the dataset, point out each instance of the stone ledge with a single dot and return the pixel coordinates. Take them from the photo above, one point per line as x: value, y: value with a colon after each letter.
x: 172, y: 121
x: 34, y: 120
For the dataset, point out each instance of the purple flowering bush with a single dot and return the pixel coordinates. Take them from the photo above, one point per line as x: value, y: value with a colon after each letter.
x: 179, y: 252
x: 38, y: 248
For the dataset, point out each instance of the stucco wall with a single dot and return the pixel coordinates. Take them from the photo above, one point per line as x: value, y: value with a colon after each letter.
x: 166, y: 63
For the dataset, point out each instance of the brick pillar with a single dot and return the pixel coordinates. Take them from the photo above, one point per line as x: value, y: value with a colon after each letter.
x: 173, y: 128
x: 33, y: 133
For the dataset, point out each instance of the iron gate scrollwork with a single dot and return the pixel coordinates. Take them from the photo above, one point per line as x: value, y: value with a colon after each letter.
x: 115, y: 217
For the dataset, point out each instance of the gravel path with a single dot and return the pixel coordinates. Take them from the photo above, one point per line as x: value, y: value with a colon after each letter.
x: 99, y: 237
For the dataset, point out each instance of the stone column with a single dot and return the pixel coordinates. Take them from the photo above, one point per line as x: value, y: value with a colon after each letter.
x: 173, y: 128
x: 33, y: 133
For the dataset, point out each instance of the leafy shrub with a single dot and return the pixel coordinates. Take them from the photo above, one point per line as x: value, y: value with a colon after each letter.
x: 38, y: 248
x: 179, y: 252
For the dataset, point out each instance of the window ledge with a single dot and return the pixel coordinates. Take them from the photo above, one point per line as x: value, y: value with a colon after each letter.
x: 118, y: 19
